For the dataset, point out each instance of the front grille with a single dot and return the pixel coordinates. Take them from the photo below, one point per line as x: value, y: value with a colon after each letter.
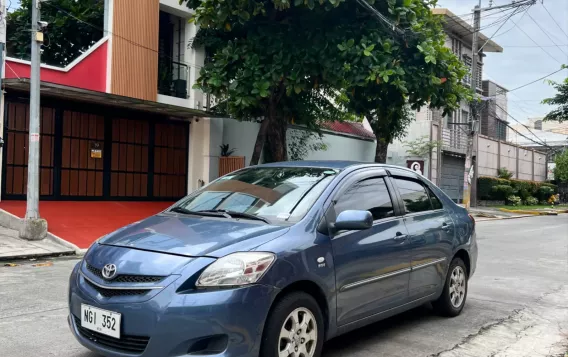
x: 126, y: 278
x: 117, y: 292
x: 126, y: 343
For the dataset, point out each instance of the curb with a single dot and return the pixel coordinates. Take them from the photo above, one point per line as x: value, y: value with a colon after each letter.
x: 526, y: 212
x: 501, y: 218
x: 14, y: 222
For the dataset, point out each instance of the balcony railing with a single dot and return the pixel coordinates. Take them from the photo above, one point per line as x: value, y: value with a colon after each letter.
x: 454, y: 140
x: 173, y: 78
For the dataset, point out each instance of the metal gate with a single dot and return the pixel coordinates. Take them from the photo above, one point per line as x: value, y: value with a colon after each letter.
x: 452, y: 176
x: 93, y: 156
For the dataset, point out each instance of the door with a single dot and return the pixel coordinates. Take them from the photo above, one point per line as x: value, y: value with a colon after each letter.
x: 452, y: 176
x: 372, y: 266
x: 431, y: 232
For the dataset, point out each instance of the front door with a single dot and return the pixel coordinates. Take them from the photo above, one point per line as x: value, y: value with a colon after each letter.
x: 431, y: 232
x: 372, y: 266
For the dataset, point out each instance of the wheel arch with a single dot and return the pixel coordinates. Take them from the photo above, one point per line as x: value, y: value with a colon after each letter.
x: 463, y: 254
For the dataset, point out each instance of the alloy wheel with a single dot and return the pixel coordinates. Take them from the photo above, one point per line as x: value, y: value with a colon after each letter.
x: 457, y: 286
x: 298, y: 335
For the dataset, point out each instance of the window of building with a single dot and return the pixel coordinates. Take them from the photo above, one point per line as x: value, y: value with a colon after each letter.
x: 370, y: 195
x: 413, y: 195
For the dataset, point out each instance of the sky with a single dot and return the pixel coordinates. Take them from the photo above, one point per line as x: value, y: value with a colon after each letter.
x: 522, y: 61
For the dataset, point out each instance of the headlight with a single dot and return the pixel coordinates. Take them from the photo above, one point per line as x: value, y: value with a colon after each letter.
x: 236, y: 269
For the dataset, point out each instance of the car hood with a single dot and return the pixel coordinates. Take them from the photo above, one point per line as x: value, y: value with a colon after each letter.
x: 194, y: 236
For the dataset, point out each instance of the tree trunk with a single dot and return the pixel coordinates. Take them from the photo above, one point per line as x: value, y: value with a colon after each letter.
x: 259, y: 144
x: 276, y: 139
x: 381, y: 151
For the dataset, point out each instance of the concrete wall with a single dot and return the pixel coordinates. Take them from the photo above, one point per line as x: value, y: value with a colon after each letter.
x: 526, y: 164
x: 242, y: 136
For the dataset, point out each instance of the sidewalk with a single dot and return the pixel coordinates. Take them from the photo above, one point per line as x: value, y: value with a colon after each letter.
x: 488, y: 213
x: 13, y: 247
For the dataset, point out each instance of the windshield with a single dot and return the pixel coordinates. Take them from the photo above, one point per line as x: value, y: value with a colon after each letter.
x: 275, y: 193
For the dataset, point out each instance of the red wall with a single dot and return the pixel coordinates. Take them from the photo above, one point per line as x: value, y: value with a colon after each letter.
x: 90, y: 73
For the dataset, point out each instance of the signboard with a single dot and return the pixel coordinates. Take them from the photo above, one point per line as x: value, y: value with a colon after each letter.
x: 96, y: 150
x: 550, y: 171
x: 416, y: 166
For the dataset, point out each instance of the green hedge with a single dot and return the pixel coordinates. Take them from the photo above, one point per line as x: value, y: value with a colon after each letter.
x: 523, y: 189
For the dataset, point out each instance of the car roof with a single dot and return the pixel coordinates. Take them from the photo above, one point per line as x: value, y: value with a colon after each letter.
x: 335, y: 164
x: 328, y: 164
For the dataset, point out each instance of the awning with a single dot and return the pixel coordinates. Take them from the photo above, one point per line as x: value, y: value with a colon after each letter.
x: 83, y: 95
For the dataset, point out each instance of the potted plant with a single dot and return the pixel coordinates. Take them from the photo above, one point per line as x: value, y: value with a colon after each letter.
x: 229, y: 163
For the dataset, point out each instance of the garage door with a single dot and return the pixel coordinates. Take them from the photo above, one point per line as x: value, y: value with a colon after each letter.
x: 452, y: 176
x: 97, y: 156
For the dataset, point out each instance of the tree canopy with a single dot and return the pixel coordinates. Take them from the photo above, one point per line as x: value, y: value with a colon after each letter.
x: 560, y: 99
x: 561, y: 169
x: 65, y: 38
x: 308, y: 61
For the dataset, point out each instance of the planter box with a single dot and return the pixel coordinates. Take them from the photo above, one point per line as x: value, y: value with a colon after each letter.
x: 228, y: 164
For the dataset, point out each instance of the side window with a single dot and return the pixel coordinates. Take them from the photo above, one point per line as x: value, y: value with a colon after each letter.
x: 436, y: 204
x: 413, y: 195
x: 369, y: 195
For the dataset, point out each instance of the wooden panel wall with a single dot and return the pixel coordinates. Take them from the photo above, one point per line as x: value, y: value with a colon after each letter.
x: 129, y: 162
x: 81, y: 175
x: 17, y: 149
x: 135, y: 48
x: 170, y: 160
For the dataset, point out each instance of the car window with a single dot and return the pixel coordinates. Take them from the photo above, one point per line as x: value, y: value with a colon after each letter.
x: 369, y: 195
x: 413, y: 195
x: 436, y: 204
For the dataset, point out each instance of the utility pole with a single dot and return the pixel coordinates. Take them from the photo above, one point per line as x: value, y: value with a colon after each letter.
x: 34, y: 227
x: 473, y: 112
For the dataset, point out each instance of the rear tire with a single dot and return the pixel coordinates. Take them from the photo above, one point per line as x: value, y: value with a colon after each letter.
x: 453, y: 297
x: 294, y: 328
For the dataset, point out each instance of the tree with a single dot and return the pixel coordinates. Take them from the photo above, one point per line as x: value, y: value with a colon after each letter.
x: 561, y: 169
x: 310, y: 61
x: 421, y: 147
x: 404, y: 72
x: 559, y: 114
x: 65, y: 38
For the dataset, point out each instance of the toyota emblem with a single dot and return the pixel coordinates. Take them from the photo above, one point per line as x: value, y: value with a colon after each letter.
x: 109, y: 271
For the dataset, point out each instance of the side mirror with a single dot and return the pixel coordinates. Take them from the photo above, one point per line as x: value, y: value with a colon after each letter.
x: 353, y: 220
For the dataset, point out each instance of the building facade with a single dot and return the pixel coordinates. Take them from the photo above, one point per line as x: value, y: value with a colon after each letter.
x: 494, y: 117
x: 445, y: 165
x: 122, y: 121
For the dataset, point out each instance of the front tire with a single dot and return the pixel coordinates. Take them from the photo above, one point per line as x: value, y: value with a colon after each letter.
x: 294, y: 328
x: 452, y: 300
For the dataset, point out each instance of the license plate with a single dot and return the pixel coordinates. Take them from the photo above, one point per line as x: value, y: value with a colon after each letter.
x: 101, y: 321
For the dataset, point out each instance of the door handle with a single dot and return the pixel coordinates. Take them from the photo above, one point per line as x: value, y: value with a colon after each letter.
x: 446, y: 226
x: 400, y: 236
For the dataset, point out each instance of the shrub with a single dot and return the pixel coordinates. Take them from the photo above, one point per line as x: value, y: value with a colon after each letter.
x: 524, y: 189
x: 501, y: 192
x: 544, y: 192
x: 503, y: 173
x: 531, y: 201
x: 514, y: 200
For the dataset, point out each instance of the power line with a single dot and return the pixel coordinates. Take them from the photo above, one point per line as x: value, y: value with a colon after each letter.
x: 536, y: 80
x: 553, y: 19
x: 516, y: 11
x: 546, y: 33
x: 542, y: 48
x: 524, y: 13
x: 528, y: 128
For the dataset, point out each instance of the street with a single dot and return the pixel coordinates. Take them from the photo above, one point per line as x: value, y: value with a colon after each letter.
x: 517, y: 304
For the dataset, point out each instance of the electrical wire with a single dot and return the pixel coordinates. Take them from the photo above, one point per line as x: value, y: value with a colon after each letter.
x: 553, y: 19
x: 536, y: 80
x: 542, y: 48
x: 526, y: 126
x: 547, y: 35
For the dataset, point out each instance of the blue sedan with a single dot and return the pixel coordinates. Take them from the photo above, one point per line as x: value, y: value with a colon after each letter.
x: 272, y: 261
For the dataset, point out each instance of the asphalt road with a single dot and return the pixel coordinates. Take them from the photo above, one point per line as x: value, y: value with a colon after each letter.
x: 517, y: 304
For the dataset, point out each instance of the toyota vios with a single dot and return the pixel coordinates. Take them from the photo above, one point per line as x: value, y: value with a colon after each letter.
x: 272, y: 261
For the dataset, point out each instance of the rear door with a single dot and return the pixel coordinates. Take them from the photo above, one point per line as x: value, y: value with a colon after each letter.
x: 372, y: 266
x: 431, y: 231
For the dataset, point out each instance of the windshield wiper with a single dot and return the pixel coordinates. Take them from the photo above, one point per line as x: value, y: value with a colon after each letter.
x: 182, y: 210
x: 235, y: 214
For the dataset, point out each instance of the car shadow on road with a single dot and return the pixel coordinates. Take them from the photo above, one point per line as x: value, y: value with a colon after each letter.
x: 379, y: 332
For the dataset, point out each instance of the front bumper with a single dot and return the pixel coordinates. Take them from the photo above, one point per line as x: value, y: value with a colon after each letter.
x: 176, y: 324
